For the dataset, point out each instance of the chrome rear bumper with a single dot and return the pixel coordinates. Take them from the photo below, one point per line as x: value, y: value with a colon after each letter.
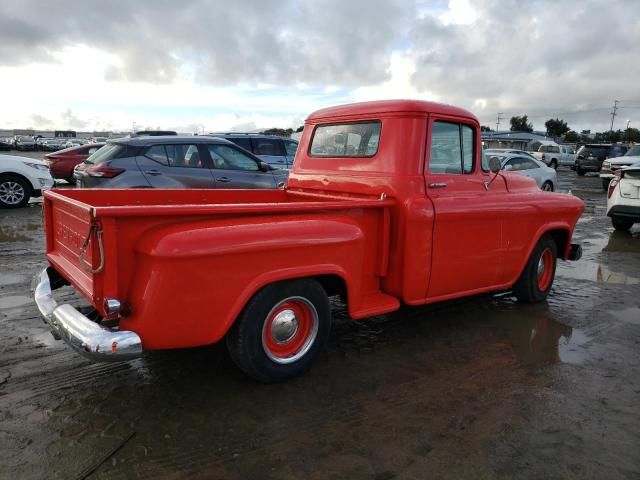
x: 83, y: 335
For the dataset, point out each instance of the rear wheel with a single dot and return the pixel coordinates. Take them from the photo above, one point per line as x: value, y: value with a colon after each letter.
x: 14, y: 191
x: 281, y: 330
x: 580, y: 171
x: 554, y: 164
x: 547, y: 187
x: 621, y: 224
x: 536, y: 280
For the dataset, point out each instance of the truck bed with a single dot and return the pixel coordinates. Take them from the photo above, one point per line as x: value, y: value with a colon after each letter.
x: 112, y: 243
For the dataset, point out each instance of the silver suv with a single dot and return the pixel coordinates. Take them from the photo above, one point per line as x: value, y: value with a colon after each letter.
x: 176, y: 162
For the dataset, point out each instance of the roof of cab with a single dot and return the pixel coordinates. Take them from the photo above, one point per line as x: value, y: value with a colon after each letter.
x: 388, y: 106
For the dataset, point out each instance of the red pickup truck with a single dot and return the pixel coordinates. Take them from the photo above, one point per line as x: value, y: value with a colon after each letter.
x: 388, y: 203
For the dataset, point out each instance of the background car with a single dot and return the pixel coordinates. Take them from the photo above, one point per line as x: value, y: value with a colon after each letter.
x: 623, y: 198
x: 6, y: 146
x: 611, y: 166
x: 20, y: 179
x: 489, y: 152
x: 277, y: 151
x: 589, y: 157
x: 62, y: 163
x: 545, y: 177
x: 52, y: 144
x: 25, y: 144
x: 176, y: 162
x: 554, y: 154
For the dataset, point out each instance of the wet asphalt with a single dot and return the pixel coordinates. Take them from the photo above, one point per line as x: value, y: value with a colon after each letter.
x: 478, y: 388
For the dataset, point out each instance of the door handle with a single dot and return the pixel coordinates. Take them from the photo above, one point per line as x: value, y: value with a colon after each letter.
x: 223, y: 179
x: 153, y: 172
x: 437, y: 185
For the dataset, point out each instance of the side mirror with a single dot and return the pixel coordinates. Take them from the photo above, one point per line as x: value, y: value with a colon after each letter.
x: 494, y: 165
x: 264, y: 167
x: 508, y: 167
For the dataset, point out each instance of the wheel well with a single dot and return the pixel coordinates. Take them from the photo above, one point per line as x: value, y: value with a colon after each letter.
x: 21, y: 177
x: 560, y: 238
x: 333, y: 285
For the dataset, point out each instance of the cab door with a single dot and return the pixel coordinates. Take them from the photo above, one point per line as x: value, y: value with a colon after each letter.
x: 468, y: 236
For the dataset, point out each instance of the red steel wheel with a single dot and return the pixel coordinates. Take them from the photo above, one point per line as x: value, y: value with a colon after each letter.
x: 281, y: 330
x: 545, y: 269
x: 289, y: 330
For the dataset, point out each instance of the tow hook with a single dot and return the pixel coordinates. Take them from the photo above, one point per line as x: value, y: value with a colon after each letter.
x: 575, y: 252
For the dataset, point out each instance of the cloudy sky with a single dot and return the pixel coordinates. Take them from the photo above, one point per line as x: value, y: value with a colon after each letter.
x: 195, y: 65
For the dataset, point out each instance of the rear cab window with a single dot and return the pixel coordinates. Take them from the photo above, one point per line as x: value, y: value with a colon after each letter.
x: 351, y: 139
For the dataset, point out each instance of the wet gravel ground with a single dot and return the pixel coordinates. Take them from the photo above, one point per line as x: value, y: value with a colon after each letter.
x: 479, y: 388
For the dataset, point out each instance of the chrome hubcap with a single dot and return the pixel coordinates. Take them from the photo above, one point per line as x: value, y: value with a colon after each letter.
x: 540, y: 267
x: 284, y: 326
x: 11, y: 193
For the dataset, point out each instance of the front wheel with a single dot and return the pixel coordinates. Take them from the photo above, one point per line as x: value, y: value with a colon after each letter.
x: 14, y: 192
x: 281, y: 330
x: 580, y: 171
x: 536, y: 280
x: 554, y: 164
x: 547, y: 187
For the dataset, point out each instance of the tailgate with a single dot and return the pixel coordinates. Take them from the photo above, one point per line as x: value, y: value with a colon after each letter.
x: 74, y: 242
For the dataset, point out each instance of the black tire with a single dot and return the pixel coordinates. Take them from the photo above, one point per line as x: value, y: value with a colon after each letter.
x: 605, y: 184
x: 580, y: 171
x: 249, y: 339
x: 534, y: 286
x: 554, y: 164
x: 15, y: 191
x: 621, y: 224
x: 547, y: 187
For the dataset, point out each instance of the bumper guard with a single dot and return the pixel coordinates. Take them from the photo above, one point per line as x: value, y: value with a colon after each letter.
x: 83, y: 335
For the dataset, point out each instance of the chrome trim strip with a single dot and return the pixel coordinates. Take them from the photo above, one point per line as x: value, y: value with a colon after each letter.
x: 83, y: 335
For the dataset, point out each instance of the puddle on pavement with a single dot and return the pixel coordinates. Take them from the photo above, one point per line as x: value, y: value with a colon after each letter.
x: 628, y: 315
x: 17, y: 233
x: 586, y: 270
x: 12, y: 301
x: 10, y: 279
x: 622, y: 242
x: 542, y: 340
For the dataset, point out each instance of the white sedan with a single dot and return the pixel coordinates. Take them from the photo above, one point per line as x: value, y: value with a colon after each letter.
x: 545, y: 177
x: 623, y: 198
x: 22, y: 178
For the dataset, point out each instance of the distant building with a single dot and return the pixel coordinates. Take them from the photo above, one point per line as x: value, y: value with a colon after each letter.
x: 517, y: 140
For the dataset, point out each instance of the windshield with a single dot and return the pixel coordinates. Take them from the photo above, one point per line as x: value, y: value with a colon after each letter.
x: 633, y: 152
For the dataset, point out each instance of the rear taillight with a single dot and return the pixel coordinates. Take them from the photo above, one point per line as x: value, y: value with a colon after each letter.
x: 103, y: 170
x: 612, y: 184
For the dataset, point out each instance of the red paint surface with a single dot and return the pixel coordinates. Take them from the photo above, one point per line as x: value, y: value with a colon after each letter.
x: 187, y: 261
x: 61, y: 163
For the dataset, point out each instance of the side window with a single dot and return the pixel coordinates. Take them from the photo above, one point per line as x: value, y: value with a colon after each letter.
x: 92, y: 150
x: 158, y: 153
x: 267, y: 146
x: 359, y: 139
x: 452, y: 146
x: 183, y: 156
x: 290, y: 147
x: 526, y: 164
x: 225, y: 157
x: 242, y: 142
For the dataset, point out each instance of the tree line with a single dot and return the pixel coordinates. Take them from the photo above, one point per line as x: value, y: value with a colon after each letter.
x: 558, y: 128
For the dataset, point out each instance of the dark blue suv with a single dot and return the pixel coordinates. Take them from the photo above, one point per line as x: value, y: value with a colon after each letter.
x: 277, y: 151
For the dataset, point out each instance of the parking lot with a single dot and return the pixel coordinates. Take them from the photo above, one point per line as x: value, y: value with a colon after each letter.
x: 479, y: 388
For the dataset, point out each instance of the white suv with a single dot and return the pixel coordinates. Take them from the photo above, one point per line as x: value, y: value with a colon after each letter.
x: 612, y: 165
x: 22, y: 178
x: 623, y: 198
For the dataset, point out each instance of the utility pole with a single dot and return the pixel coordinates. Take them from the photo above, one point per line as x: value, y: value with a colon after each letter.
x: 613, y: 115
x: 498, y: 121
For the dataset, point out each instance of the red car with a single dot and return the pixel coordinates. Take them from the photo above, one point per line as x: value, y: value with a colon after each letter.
x: 62, y: 162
